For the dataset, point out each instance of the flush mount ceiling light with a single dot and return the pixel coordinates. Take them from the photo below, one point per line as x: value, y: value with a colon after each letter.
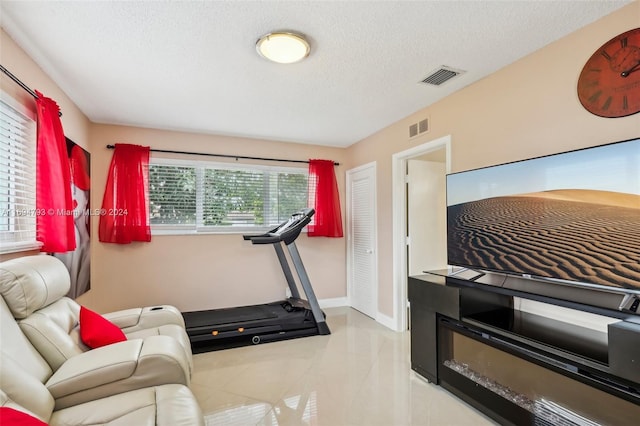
x: 283, y: 47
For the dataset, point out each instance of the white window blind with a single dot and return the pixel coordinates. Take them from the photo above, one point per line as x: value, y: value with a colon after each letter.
x: 218, y: 197
x: 17, y: 178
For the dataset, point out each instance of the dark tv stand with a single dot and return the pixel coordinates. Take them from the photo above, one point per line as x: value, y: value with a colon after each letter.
x: 522, y: 368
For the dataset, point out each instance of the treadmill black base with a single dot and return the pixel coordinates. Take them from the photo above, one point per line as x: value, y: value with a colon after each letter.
x: 251, y: 325
x: 237, y: 342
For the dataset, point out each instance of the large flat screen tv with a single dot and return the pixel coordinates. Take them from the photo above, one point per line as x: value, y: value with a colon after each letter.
x: 573, y: 217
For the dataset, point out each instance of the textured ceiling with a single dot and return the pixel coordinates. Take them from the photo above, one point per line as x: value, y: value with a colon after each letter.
x: 192, y: 66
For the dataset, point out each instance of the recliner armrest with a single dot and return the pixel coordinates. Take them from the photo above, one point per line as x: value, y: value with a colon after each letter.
x: 131, y: 320
x: 117, y: 368
x: 125, y: 318
x: 95, y: 368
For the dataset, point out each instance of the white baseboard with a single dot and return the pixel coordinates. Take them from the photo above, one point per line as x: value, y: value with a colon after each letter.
x: 336, y: 302
x: 339, y: 302
x: 387, y: 321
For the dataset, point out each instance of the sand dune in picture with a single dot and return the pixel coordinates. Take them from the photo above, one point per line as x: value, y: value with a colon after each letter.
x: 582, y: 235
x: 618, y: 199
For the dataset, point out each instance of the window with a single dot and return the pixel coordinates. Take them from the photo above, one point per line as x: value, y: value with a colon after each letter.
x: 17, y: 177
x: 193, y: 196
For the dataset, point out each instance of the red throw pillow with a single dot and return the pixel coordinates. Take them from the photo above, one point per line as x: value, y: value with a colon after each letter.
x: 9, y: 416
x: 97, y: 331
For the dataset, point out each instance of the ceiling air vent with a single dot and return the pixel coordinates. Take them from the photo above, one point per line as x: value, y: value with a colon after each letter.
x: 441, y: 75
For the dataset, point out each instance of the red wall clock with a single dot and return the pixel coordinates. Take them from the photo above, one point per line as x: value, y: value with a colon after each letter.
x: 609, y: 84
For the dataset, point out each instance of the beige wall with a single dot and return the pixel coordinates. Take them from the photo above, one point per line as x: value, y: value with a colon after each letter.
x: 13, y: 58
x: 195, y: 272
x: 191, y: 272
x: 526, y: 109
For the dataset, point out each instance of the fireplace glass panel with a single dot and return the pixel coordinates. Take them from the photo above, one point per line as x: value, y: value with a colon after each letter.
x: 550, y: 396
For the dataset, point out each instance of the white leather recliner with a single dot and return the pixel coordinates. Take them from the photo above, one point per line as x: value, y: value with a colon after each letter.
x: 156, y: 352
x: 28, y: 385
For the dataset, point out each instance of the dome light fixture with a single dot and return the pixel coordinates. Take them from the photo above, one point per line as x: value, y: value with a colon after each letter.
x: 283, y: 47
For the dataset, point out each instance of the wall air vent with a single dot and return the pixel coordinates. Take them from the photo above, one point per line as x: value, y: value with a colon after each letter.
x: 423, y: 126
x: 441, y: 75
x: 413, y: 130
x: 418, y: 128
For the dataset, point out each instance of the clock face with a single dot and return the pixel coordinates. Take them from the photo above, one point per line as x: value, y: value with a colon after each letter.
x: 609, y: 84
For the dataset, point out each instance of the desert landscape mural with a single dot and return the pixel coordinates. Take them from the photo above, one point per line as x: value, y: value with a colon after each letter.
x: 572, y: 234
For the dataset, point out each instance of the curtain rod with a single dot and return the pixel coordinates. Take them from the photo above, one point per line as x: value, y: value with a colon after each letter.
x: 21, y: 84
x: 227, y: 156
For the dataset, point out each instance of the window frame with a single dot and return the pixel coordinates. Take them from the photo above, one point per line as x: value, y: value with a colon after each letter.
x: 27, y: 210
x: 200, y: 165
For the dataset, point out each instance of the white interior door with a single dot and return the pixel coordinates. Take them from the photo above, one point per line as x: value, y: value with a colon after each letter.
x: 362, y: 265
x: 426, y: 214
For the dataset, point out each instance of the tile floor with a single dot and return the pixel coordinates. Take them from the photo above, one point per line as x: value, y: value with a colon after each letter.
x: 359, y: 375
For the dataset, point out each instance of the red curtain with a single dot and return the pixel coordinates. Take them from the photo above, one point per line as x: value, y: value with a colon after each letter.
x: 54, y: 204
x: 124, y: 217
x: 324, y: 198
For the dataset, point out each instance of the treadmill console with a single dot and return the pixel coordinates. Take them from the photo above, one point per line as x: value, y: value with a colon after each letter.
x: 287, y: 231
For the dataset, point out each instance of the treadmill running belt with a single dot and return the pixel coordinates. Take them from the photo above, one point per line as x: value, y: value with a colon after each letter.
x: 228, y: 316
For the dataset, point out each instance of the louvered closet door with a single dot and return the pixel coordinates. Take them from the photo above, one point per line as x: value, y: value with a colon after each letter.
x: 362, y: 250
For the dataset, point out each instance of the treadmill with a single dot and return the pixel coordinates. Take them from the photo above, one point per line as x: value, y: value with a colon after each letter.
x: 286, y: 319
